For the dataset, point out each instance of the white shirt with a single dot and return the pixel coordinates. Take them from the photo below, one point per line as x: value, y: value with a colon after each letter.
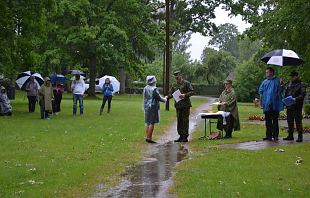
x: 78, y: 87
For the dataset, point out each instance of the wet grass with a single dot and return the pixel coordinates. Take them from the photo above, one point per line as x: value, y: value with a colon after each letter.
x: 69, y: 156
x: 214, y: 172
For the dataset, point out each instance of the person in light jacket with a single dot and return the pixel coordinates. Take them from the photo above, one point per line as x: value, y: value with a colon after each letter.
x: 46, y: 98
x: 151, y: 99
x: 78, y: 89
x: 32, y: 93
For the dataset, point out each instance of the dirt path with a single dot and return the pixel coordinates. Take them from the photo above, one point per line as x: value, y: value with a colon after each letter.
x: 152, y: 177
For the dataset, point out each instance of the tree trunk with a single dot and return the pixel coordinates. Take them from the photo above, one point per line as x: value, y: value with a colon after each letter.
x: 92, y: 76
x: 122, y: 79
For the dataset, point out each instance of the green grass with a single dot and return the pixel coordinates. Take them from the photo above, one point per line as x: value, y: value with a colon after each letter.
x: 68, y: 156
x: 214, y: 172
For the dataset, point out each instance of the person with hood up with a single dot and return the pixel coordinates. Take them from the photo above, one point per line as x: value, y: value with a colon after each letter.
x: 5, y: 105
x: 151, y: 99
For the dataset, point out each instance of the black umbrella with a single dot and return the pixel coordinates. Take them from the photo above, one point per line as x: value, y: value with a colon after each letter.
x: 24, y: 77
x: 282, y: 57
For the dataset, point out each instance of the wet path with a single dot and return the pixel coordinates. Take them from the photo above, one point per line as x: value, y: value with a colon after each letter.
x: 152, y: 177
x: 257, y: 145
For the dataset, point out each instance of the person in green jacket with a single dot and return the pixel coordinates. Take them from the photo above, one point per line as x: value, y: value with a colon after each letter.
x: 229, y: 104
x: 183, y: 106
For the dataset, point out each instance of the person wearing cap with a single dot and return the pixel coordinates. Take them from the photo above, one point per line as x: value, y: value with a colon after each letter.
x: 5, y: 105
x: 151, y: 99
x: 297, y: 89
x: 183, y: 106
x: 228, y: 103
x: 78, y: 89
x: 32, y: 89
x: 271, y: 99
x: 46, y: 97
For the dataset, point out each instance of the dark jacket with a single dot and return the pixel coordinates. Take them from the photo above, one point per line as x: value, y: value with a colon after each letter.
x: 186, y: 88
x: 297, y: 90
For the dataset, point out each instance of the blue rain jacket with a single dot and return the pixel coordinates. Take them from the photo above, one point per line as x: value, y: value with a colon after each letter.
x: 270, y: 90
x: 107, y: 91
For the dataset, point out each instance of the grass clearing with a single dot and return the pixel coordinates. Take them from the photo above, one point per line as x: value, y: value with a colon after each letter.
x: 214, y: 172
x: 68, y: 156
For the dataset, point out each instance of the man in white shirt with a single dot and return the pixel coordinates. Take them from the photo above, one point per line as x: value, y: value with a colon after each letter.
x: 78, y: 89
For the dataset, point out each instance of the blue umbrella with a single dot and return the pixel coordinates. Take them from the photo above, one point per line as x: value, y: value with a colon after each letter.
x: 58, y: 77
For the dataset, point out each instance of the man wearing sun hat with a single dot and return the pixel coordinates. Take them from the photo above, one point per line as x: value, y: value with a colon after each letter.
x: 183, y: 106
x: 297, y: 90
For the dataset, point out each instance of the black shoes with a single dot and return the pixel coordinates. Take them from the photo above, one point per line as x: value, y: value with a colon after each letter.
x: 181, y: 139
x: 299, y: 138
x: 150, y: 141
x: 267, y: 139
x: 288, y: 138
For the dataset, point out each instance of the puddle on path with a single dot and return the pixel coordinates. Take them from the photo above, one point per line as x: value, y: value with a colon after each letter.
x: 257, y: 145
x: 153, y: 176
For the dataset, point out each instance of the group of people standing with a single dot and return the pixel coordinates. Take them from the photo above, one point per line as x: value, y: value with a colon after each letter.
x: 272, y: 91
x: 50, y: 96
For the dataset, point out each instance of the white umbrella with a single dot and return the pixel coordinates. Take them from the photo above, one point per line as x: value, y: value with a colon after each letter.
x: 73, y: 78
x: 115, y: 83
x: 23, y: 79
x: 282, y: 57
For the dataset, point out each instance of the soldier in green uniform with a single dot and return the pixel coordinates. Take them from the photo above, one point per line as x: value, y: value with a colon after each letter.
x: 229, y: 104
x: 183, y: 106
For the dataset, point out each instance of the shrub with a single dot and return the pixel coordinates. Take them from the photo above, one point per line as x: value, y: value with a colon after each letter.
x: 307, y: 109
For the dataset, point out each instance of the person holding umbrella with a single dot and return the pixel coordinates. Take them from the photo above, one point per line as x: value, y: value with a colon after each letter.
x: 151, y: 99
x: 46, y: 98
x: 297, y: 90
x: 78, y: 89
x: 32, y: 89
x: 270, y: 93
x: 107, y: 91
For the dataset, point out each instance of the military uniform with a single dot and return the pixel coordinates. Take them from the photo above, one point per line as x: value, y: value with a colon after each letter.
x: 229, y: 97
x: 297, y: 90
x: 183, y: 107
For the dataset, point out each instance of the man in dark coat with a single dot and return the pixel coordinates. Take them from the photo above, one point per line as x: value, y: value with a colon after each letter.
x: 297, y: 90
x: 183, y: 106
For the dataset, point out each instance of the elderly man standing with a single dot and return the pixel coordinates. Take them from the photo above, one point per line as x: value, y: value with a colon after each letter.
x: 297, y: 90
x: 78, y: 89
x: 183, y: 106
x: 270, y: 92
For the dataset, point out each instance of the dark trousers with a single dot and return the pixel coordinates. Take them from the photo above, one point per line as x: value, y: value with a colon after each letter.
x: 272, y: 124
x: 44, y: 114
x: 229, y: 127
x: 32, y: 103
x: 183, y: 121
x: 105, y: 99
x: 294, y: 115
x: 56, y: 103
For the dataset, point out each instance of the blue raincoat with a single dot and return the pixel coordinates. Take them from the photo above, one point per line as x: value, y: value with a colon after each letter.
x: 270, y: 90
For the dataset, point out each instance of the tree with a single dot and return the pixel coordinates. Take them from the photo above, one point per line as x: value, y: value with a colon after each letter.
x: 226, y: 39
x: 215, y: 67
x: 247, y: 48
x: 278, y: 24
x: 115, y: 34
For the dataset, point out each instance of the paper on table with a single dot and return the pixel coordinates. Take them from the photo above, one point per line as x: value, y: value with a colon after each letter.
x: 217, y: 103
x: 176, y: 95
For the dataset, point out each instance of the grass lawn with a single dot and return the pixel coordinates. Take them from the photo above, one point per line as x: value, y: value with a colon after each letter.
x: 69, y: 156
x: 214, y: 172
